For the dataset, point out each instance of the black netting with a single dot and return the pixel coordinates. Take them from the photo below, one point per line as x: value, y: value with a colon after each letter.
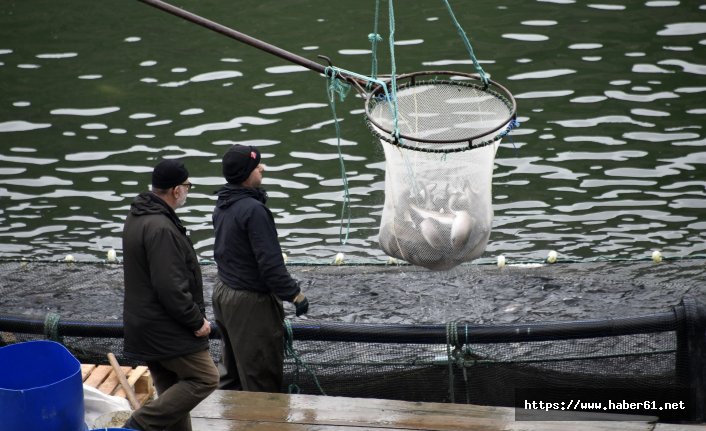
x: 456, y: 362
x: 472, y: 364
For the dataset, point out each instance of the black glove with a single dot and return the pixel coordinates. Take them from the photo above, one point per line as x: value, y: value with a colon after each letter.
x: 301, y: 304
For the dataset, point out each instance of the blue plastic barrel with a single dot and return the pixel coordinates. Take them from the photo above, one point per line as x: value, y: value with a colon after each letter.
x: 40, y: 388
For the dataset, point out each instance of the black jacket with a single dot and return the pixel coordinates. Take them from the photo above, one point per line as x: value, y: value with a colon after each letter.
x: 163, y: 287
x: 246, y: 248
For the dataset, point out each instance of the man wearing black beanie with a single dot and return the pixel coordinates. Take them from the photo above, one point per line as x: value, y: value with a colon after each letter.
x: 164, y: 314
x: 252, y: 278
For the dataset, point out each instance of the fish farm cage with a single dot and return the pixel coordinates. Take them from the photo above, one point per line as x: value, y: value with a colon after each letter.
x: 650, y: 355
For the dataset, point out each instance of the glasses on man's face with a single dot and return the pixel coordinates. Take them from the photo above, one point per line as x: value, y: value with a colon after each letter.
x: 187, y: 185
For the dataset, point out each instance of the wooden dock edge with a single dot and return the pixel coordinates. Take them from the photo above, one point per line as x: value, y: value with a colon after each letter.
x: 234, y: 410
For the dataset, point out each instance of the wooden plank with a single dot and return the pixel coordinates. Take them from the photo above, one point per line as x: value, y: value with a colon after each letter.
x: 110, y: 384
x: 98, y: 375
x: 86, y: 370
x: 117, y: 390
x: 134, y: 375
x: 103, y: 378
x: 334, y: 412
x: 144, y: 388
x: 201, y: 424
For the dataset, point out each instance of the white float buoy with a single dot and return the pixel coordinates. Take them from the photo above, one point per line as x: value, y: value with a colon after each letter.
x: 656, y: 256
x: 69, y: 258
x: 501, y: 261
x: 338, y: 259
x: 551, y: 257
x: 111, y: 255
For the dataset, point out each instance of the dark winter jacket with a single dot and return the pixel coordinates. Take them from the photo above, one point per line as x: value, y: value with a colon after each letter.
x: 246, y: 248
x: 163, y: 286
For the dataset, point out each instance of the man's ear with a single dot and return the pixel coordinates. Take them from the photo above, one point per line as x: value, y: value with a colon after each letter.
x: 174, y: 193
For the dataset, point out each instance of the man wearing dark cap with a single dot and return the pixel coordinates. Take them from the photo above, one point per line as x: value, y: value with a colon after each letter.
x: 164, y: 315
x: 253, y: 280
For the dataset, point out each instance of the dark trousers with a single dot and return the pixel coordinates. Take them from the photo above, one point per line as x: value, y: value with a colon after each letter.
x: 182, y: 383
x: 252, y: 335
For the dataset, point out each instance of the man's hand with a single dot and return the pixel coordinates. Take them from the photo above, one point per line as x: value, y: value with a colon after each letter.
x: 204, y: 330
x: 301, y: 304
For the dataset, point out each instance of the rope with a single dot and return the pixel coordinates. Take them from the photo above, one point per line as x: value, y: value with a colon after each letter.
x: 290, y: 352
x: 51, y: 327
x: 457, y: 357
x: 451, y: 339
x: 393, y: 71
x: 466, y: 42
x: 374, y: 38
x: 336, y: 86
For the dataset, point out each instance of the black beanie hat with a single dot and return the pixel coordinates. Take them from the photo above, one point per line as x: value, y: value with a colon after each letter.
x: 169, y: 173
x: 239, y: 161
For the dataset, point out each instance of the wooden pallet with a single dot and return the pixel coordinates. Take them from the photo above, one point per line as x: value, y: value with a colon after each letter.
x: 103, y: 378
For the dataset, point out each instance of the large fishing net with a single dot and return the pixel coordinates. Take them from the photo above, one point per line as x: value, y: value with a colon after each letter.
x: 440, y: 143
x: 440, y: 131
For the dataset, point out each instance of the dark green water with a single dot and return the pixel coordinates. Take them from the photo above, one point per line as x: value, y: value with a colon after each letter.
x: 608, y: 162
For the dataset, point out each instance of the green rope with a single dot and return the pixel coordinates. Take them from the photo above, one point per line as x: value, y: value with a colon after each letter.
x: 451, y: 339
x: 290, y: 352
x: 466, y: 42
x: 374, y: 38
x: 336, y: 86
x: 51, y: 327
x: 393, y: 71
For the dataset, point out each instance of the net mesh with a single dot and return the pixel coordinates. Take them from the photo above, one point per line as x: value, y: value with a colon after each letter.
x: 439, y: 137
x: 440, y: 115
x: 438, y: 210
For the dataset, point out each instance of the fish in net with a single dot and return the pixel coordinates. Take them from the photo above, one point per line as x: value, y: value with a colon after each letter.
x: 440, y: 144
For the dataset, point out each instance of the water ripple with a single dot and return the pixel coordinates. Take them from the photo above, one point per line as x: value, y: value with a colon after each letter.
x: 683, y: 29
x: 42, y: 181
x: 697, y: 69
x: 621, y: 95
x: 617, y: 156
x: 658, y: 172
x: 542, y: 74
x: 235, y: 123
x: 525, y: 37
x: 21, y: 126
x: 659, y: 137
x: 592, y: 122
x: 27, y: 160
x: 90, y: 112
x: 300, y: 106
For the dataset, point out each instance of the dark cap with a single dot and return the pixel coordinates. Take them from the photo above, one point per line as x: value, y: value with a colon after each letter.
x: 239, y: 161
x: 169, y: 173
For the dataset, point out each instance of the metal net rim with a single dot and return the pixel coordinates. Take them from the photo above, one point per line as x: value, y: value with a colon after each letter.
x: 492, y: 87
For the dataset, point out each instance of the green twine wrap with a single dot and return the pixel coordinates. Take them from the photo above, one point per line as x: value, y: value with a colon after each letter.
x: 51, y: 327
x: 290, y: 352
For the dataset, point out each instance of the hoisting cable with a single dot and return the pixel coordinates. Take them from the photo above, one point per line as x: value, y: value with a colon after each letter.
x: 467, y: 42
x: 337, y: 87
